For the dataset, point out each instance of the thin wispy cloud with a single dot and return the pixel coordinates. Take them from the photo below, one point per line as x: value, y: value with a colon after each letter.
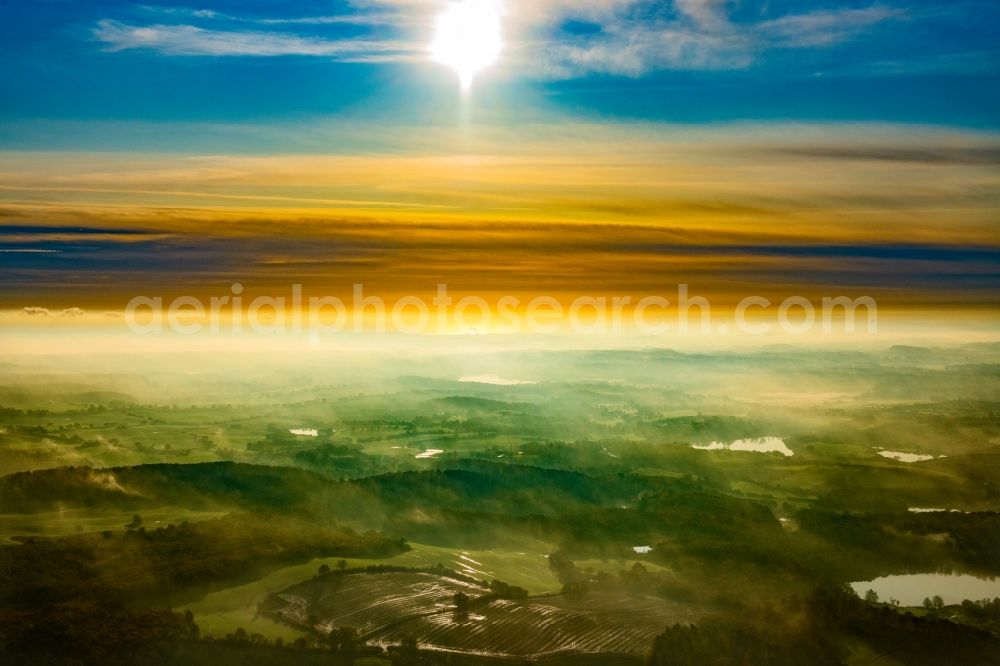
x: 367, y: 18
x: 37, y: 311
x: 822, y: 28
x: 700, y: 36
x: 709, y: 14
x: 189, y: 40
x: 359, y: 17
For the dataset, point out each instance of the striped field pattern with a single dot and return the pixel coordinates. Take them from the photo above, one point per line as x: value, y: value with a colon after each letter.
x: 386, y: 607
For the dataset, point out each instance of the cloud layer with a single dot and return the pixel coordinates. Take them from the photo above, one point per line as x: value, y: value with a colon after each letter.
x: 903, y: 215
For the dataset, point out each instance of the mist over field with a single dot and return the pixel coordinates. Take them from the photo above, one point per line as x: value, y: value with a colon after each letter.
x: 517, y: 504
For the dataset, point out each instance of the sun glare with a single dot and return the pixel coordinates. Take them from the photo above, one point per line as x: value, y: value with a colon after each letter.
x: 468, y: 38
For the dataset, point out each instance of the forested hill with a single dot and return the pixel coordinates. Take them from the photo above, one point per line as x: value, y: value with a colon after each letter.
x: 472, y: 486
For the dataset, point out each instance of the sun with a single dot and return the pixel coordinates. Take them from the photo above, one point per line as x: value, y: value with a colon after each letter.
x: 468, y: 38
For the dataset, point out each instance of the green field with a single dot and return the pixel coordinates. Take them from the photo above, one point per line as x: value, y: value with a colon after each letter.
x: 83, y: 521
x: 220, y: 613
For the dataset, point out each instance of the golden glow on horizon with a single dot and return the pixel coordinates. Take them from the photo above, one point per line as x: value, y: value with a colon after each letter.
x: 557, y: 210
x: 99, y: 333
x: 468, y: 38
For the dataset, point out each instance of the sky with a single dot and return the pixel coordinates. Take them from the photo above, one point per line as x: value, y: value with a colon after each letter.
x: 690, y: 61
x: 615, y: 146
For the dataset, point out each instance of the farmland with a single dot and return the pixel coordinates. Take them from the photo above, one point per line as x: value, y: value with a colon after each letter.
x: 386, y: 607
x: 222, y: 612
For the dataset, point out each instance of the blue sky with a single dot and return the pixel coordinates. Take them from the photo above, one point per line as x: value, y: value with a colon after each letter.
x: 68, y: 68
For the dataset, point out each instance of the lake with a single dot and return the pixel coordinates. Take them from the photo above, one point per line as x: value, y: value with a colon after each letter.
x: 752, y: 445
x: 903, y: 456
x: 912, y: 589
x: 429, y: 453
